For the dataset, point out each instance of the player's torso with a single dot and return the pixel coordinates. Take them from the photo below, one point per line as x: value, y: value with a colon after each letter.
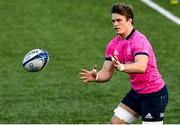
x: 123, y: 52
x: 148, y: 82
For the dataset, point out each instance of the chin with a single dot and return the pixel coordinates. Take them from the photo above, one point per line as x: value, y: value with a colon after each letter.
x: 118, y: 33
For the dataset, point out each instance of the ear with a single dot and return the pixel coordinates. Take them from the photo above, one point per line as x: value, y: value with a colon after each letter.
x: 130, y: 20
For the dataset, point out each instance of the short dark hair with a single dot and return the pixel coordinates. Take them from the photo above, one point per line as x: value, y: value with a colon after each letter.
x: 123, y: 9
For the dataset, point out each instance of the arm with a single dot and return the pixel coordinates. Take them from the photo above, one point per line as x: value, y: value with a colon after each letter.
x: 104, y: 74
x: 139, y: 65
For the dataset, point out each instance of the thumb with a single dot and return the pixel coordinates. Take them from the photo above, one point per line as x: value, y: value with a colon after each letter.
x: 94, y: 73
x: 94, y: 68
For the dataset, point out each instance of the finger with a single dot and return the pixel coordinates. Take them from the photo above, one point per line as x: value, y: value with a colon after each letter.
x: 94, y: 68
x: 116, y: 66
x: 82, y: 74
x: 116, y: 62
x: 83, y: 78
x: 84, y: 70
x: 85, y: 81
x: 115, y: 57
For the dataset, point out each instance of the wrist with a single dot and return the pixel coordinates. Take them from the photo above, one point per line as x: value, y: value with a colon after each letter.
x: 97, y: 76
x: 121, y: 67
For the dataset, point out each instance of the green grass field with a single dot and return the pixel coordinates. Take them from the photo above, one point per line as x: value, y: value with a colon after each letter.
x: 75, y: 33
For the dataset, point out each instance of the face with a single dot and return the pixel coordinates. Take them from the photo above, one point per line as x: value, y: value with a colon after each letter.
x: 121, y: 24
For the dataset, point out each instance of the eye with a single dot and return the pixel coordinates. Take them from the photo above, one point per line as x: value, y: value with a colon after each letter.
x: 113, y: 21
x: 118, y: 20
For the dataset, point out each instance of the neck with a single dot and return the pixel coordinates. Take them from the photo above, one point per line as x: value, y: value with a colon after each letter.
x: 126, y: 33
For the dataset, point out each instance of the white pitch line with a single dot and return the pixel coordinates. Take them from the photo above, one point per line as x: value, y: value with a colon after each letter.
x: 162, y: 11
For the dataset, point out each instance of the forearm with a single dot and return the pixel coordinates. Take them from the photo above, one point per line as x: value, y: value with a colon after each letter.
x: 135, y: 68
x: 103, y: 76
x: 138, y: 66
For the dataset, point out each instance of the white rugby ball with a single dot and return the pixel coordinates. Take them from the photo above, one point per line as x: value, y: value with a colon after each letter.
x: 35, y: 60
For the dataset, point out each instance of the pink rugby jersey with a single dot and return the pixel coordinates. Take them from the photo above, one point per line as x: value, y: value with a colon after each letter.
x: 126, y: 50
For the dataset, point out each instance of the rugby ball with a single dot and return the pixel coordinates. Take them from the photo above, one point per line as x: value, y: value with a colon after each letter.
x: 35, y: 60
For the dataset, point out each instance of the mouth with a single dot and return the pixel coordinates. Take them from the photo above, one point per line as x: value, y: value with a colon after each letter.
x: 117, y: 29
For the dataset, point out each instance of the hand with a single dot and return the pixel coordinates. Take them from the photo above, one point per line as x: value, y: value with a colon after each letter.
x: 116, y: 62
x: 88, y: 76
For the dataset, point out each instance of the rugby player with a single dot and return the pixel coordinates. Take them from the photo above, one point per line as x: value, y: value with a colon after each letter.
x: 131, y: 52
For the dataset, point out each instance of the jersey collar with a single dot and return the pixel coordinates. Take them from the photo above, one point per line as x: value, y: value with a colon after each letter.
x: 128, y: 37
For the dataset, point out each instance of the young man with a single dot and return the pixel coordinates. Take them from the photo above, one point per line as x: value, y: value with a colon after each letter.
x: 131, y: 52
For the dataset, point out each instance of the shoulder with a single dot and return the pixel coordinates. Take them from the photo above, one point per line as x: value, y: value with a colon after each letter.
x: 111, y: 46
x: 113, y: 41
x: 139, y: 37
x: 140, y: 44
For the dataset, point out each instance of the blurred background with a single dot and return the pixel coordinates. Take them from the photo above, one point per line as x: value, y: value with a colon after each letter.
x: 75, y: 33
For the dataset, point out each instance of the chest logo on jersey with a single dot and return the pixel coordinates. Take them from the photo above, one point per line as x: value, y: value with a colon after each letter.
x: 116, y: 53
